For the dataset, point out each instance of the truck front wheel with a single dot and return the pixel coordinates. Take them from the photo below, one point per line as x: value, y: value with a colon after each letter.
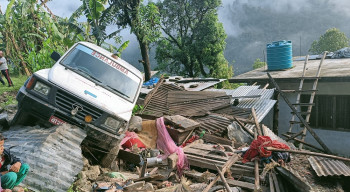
x: 20, y: 118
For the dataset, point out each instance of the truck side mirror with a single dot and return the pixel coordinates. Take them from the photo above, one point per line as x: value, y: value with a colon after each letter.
x: 55, y: 56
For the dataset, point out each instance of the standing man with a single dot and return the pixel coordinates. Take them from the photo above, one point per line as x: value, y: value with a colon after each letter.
x: 4, y: 70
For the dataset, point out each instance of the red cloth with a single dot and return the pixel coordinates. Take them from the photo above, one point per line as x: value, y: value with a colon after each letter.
x: 193, y: 138
x: 131, y: 139
x: 257, y: 148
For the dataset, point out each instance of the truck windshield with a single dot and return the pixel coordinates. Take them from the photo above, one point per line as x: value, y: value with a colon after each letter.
x: 103, y: 71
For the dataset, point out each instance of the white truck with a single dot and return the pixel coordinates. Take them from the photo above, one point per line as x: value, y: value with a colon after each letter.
x: 86, y: 87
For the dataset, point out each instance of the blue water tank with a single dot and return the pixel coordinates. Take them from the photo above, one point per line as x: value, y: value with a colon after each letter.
x: 279, y: 55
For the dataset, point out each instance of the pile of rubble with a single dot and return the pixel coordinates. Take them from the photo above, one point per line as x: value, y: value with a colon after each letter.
x: 187, y: 137
x: 210, y: 140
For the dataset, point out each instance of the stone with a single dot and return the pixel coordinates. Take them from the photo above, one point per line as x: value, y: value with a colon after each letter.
x: 83, y: 185
x: 92, y: 173
x: 135, y: 124
x: 148, y: 187
x: 86, y: 162
x: 134, y: 186
x: 105, y: 170
x: 114, y: 166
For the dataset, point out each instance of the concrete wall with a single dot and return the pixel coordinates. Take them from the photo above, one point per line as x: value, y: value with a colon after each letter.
x: 337, y: 141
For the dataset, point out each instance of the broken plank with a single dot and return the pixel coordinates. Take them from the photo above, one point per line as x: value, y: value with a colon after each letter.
x: 215, y: 139
x: 179, y: 121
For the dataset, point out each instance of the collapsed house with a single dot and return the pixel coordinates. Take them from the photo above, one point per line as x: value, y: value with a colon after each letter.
x: 213, y: 127
x: 189, y: 136
x: 330, y: 111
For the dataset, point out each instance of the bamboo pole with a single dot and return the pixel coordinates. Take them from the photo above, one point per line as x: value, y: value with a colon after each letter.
x: 223, y: 179
x: 257, y: 126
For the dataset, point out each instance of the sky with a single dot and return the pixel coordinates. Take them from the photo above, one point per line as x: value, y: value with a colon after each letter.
x: 237, y: 23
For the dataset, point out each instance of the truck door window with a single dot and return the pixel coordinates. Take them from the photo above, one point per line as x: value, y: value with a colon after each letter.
x: 104, y: 70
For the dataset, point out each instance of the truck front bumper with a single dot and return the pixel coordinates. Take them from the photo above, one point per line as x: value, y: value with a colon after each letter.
x: 43, y: 110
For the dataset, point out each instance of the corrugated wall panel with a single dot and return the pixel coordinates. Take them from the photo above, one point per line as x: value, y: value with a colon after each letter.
x: 328, y: 167
x: 54, y: 155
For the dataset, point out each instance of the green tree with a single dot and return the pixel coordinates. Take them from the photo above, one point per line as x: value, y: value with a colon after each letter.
x: 258, y: 64
x: 332, y: 40
x: 98, y: 18
x: 194, y: 39
x: 25, y: 28
x: 144, y: 23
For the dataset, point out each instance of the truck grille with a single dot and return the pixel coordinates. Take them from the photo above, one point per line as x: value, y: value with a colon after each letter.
x: 65, y: 102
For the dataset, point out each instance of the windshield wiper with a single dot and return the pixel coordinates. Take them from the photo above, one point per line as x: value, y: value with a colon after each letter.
x: 86, y: 74
x: 89, y: 75
x: 116, y: 90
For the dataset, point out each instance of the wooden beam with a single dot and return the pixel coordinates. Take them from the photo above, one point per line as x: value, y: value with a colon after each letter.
x: 257, y: 126
x: 308, y: 153
x: 276, y: 110
x: 303, y: 142
x: 291, y: 137
x: 197, y: 176
x: 299, y: 116
x: 275, y: 181
x: 272, y: 188
x: 244, y: 127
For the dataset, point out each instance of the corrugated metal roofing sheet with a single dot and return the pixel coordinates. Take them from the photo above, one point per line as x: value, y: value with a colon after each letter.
x: 233, y: 110
x: 199, y: 83
x: 214, y: 124
x: 328, y: 167
x: 264, y: 93
x: 243, y: 90
x: 262, y: 106
x: 157, y: 104
x: 188, y: 103
x: 227, y: 91
x: 54, y: 155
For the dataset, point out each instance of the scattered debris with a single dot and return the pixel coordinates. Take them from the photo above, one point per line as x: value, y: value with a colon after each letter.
x: 186, y: 140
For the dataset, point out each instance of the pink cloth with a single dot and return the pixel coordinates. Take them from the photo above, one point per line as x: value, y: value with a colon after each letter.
x: 168, y: 146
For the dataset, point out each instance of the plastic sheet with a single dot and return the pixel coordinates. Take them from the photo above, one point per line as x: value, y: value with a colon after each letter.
x: 168, y: 146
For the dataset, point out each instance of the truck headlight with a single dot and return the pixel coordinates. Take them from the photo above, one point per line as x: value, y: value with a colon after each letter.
x: 41, y: 88
x: 112, y: 123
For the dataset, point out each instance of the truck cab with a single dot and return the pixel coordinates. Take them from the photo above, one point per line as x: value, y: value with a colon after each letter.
x: 86, y: 87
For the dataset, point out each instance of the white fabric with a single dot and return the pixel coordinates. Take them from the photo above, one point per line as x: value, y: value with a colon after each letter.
x: 3, y: 66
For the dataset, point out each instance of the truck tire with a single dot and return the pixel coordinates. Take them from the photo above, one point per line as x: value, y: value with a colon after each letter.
x: 20, y: 118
